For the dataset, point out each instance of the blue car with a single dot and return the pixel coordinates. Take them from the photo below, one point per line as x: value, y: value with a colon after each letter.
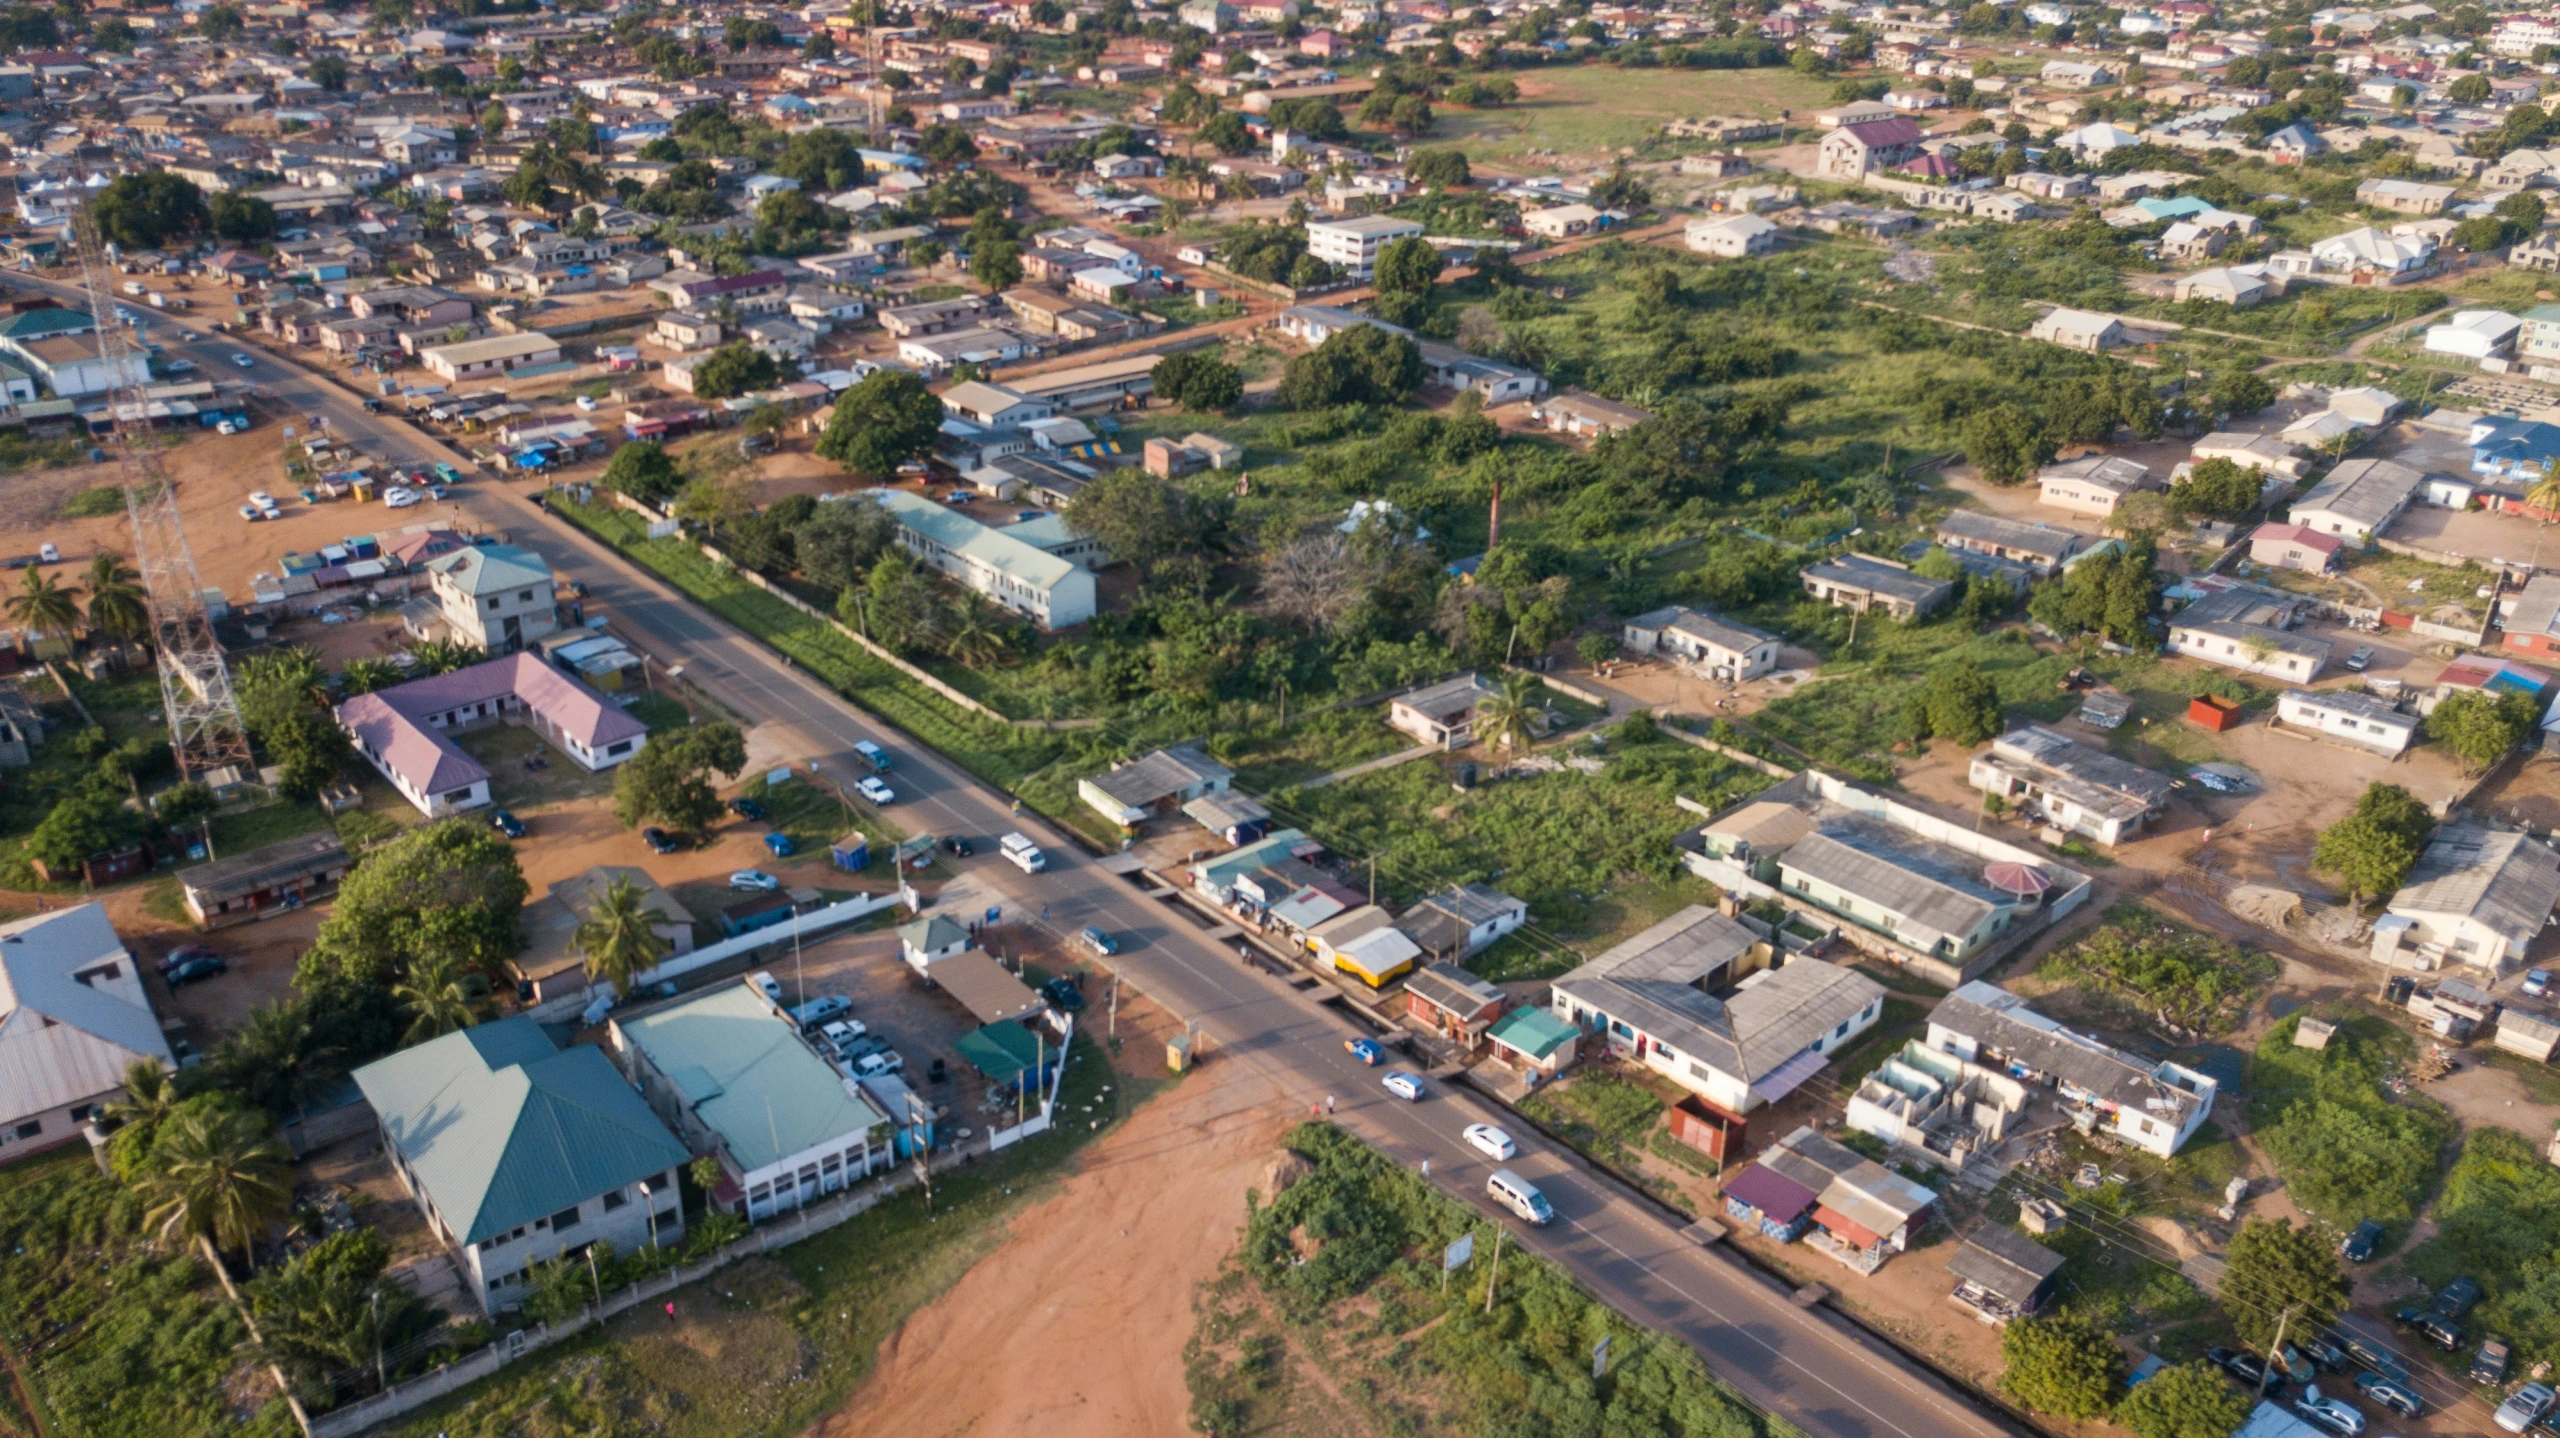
x: 506, y: 823
x: 1366, y: 1051
x: 780, y: 844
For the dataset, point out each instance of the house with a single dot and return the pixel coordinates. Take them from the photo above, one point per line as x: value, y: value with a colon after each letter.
x: 1562, y: 222
x: 1461, y: 920
x: 2248, y: 628
x: 930, y: 940
x: 1731, y: 237
x: 2042, y: 548
x: 1706, y: 1002
x: 2078, y: 329
x: 1451, y: 1002
x: 518, y: 1152
x: 2001, y: 1274
x: 74, y: 1015
x: 2250, y: 451
x: 1444, y: 714
x: 2474, y: 334
x: 1053, y: 592
x: 1352, y: 244
x: 687, y: 330
x: 72, y: 368
x: 1154, y: 785
x: 1725, y: 650
x: 2094, y: 485
x: 2365, y: 720
x: 1853, y: 151
x: 994, y: 407
x: 1535, y: 1041
x: 550, y: 960
x: 2236, y: 286
x: 401, y: 731
x: 1587, y: 416
x: 1855, y: 1210
x: 731, y: 1075
x: 2156, y: 1106
x: 2519, y: 449
x: 2069, y: 785
x: 2292, y: 546
x: 2477, y: 897
x: 2358, y: 499
x: 498, y: 597
x: 2535, y: 1036
x: 2369, y: 253
x: 1864, y: 583
x: 2531, y: 619
x: 2405, y: 197
x: 1365, y: 943
x: 277, y: 878
x: 497, y: 354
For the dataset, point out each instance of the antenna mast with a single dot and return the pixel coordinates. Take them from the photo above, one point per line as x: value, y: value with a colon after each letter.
x: 205, y: 731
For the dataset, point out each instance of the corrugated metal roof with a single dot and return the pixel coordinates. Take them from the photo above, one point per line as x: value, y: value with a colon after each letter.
x: 750, y: 1077
x: 61, y: 1040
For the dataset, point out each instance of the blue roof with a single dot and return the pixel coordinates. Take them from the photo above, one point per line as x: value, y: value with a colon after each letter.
x: 2520, y: 439
x: 2160, y: 209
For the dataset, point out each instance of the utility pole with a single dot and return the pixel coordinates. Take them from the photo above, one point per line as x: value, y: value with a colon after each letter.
x: 382, y: 1383
x: 1114, y: 1032
x: 1492, y: 1270
x: 1373, y: 878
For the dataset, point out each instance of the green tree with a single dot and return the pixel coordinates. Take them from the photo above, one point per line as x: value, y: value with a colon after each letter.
x: 2113, y: 595
x: 2524, y: 207
x: 643, y: 470
x: 1439, y: 169
x: 1364, y: 364
x: 1958, y: 701
x: 2239, y: 391
x: 448, y: 887
x: 1511, y: 717
x: 822, y: 159
x: 2005, y: 442
x: 2292, y: 1278
x: 619, y: 938
x: 221, y: 22
x: 2192, y: 1400
x: 2469, y: 90
x: 2367, y: 855
x: 530, y: 188
x: 113, y: 35
x: 437, y: 993
x: 82, y: 825
x: 184, y: 808
x: 2481, y: 726
x: 44, y: 604
x: 150, y: 1092
x: 1225, y: 132
x: 2217, y: 487
x: 328, y: 1310
x: 219, y: 1174
x: 998, y: 266
x: 1406, y: 271
x: 841, y: 541
x: 1135, y: 516
x: 734, y: 369
x: 1198, y: 379
x: 311, y: 751
x: 670, y: 778
x: 2061, y: 1365
x: 242, y: 219
x: 329, y: 72
x: 948, y: 145
x: 883, y: 421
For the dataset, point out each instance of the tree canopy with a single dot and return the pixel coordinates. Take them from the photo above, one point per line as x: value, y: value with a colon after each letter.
x: 2373, y: 848
x: 1364, y: 364
x: 448, y: 887
x: 669, y: 780
x: 2217, y: 487
x: 2192, y: 1400
x: 734, y: 369
x: 2113, y: 595
x: 2481, y: 725
x: 2286, y: 1271
x: 148, y: 209
x: 883, y: 421
x: 2061, y: 1365
x: 1135, y: 516
x: 1198, y: 379
x: 643, y: 470
x: 1958, y: 701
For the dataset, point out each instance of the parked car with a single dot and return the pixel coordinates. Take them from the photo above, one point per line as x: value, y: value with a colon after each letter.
x: 1492, y: 1142
x: 779, y: 844
x: 1102, y: 944
x: 2360, y: 1244
x: 840, y: 1033
x: 818, y: 1011
x: 879, y: 1064
x: 2249, y: 1368
x: 2537, y: 982
x: 1062, y: 994
x: 48, y: 553
x: 242, y: 360
x: 2456, y: 1299
x: 2391, y: 1393
x: 2362, y: 657
x: 2489, y: 1365
x: 1403, y: 1085
x: 2372, y: 1354
x: 767, y: 985
x: 2523, y: 1407
x: 2334, y: 1414
x: 2325, y: 1353
x: 753, y: 881
x: 958, y: 846
x: 659, y: 840
x: 182, y: 954
x: 506, y: 823
x: 2218, y: 783
x: 1366, y: 1051
x: 2432, y: 1326
x: 861, y: 1046
x: 875, y: 791
x: 203, y: 966
x: 746, y: 808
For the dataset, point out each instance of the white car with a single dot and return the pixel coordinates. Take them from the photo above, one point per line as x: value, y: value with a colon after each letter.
x: 875, y: 791
x: 587, y: 402
x: 262, y: 499
x: 753, y: 881
x: 250, y: 512
x: 2522, y: 1407
x: 767, y: 985
x: 242, y: 360
x: 1492, y: 1142
x: 48, y: 553
x: 875, y: 1065
x: 1403, y: 1085
x: 840, y: 1032
x: 398, y: 498
x: 2337, y: 1416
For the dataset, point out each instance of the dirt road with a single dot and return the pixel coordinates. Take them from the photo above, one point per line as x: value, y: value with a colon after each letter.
x: 1075, y: 1327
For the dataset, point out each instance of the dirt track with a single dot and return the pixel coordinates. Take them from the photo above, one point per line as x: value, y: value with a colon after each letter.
x: 1075, y: 1327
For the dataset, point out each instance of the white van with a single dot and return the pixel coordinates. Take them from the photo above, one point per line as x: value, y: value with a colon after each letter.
x: 1025, y: 855
x: 1520, y: 1196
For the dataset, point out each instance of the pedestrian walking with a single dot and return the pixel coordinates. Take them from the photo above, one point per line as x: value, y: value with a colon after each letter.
x: 1426, y: 1168
x: 671, y: 1311
x: 1044, y: 913
x: 1328, y: 1103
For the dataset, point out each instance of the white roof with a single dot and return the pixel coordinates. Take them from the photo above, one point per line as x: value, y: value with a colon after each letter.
x: 63, y: 1040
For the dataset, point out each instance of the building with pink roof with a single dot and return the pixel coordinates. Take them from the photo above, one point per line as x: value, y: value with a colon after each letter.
x: 2291, y: 546
x: 403, y: 731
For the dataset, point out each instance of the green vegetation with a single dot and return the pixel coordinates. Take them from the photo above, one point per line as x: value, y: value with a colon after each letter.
x: 1348, y: 1258
x: 2061, y: 1365
x: 99, y: 503
x: 2501, y: 1203
x: 2185, y: 983
x: 2347, y: 1150
x: 2374, y: 848
x: 1583, y: 109
x: 2281, y: 1276
x: 767, y: 1346
x: 1600, y: 1113
x: 2192, y: 1400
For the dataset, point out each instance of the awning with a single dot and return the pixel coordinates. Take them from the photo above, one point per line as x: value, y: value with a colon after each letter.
x: 1840, y: 1225
x: 1787, y: 1077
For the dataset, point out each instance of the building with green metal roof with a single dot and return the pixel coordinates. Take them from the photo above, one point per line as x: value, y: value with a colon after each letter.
x: 1535, y: 1039
x: 730, y: 1072
x: 519, y: 1151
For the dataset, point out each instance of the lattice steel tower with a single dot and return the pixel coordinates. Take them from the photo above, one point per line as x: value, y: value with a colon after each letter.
x: 205, y: 730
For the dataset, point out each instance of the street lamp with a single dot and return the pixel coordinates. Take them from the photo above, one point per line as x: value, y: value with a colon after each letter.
x: 649, y: 1196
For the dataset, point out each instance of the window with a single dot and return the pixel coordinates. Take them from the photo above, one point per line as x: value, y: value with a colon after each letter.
x: 616, y: 1199
x: 618, y: 750
x: 30, y: 1128
x: 565, y: 1218
x: 81, y: 1113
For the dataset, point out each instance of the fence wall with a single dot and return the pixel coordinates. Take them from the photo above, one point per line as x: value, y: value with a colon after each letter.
x: 567, y: 1005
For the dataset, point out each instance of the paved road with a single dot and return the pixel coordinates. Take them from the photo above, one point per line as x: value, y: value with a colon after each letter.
x: 1817, y: 1371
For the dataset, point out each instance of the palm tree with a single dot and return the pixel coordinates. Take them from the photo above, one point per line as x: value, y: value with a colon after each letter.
x: 363, y: 676
x: 2544, y: 497
x: 438, y: 995
x: 118, y: 608
x: 618, y: 937
x: 1510, y: 718
x: 221, y: 1175
x: 974, y: 639
x: 150, y: 1091
x: 44, y: 604
x: 443, y: 656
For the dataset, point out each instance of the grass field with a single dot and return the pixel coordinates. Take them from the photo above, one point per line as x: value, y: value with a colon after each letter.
x: 1581, y: 110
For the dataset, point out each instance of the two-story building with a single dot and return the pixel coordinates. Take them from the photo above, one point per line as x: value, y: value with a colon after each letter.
x: 498, y: 597
x: 1051, y: 591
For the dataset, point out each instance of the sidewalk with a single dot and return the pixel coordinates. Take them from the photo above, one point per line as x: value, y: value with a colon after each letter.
x: 1372, y: 766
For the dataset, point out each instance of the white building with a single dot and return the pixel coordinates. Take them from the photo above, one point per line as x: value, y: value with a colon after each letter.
x: 2351, y: 716
x: 495, y: 596
x: 1731, y: 236
x: 1042, y: 587
x: 2069, y: 785
x: 496, y: 354
x: 2155, y: 1106
x: 73, y: 1016
x: 2359, y: 498
x: 1352, y: 245
x: 1724, y: 649
x: 2474, y: 334
x: 2094, y: 484
x: 2477, y: 896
